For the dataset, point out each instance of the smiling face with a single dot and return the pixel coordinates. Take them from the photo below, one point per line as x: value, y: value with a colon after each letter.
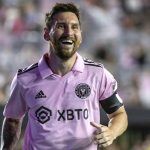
x: 65, y: 34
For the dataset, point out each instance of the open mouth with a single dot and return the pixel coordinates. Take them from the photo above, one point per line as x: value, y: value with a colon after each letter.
x: 67, y: 42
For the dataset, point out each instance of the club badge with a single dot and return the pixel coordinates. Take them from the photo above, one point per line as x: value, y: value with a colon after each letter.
x: 83, y: 90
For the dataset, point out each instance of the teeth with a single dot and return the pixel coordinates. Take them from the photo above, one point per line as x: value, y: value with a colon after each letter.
x: 67, y: 41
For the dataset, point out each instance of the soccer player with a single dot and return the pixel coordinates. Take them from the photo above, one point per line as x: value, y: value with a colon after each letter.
x: 62, y: 94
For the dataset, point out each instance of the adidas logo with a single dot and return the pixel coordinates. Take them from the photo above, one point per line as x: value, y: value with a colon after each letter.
x: 40, y: 95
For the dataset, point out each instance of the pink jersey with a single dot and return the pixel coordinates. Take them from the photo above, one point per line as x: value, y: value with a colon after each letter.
x: 60, y: 109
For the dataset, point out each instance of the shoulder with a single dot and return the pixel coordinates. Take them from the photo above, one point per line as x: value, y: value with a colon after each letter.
x: 27, y: 69
x: 90, y: 62
x: 28, y: 75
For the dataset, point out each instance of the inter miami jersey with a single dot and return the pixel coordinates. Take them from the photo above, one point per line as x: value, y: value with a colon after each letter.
x: 60, y: 108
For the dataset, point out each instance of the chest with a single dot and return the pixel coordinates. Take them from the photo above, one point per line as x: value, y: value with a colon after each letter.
x: 70, y: 92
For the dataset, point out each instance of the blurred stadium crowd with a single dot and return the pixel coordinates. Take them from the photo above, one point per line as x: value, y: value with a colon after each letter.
x: 115, y: 33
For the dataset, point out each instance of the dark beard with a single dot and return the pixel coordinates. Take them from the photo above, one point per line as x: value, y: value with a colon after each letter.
x: 62, y: 53
x: 65, y: 55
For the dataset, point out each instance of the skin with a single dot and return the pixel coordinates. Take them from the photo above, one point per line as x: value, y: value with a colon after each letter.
x: 61, y: 59
x: 105, y: 135
x: 65, y: 26
x: 10, y: 133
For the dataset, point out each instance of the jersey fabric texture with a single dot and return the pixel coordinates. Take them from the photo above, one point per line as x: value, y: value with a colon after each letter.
x: 60, y: 108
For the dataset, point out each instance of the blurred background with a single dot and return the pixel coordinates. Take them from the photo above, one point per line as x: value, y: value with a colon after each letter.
x: 115, y: 33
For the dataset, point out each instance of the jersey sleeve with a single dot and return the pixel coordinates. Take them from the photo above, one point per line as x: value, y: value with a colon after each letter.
x: 15, y: 106
x: 109, y: 97
x: 108, y: 85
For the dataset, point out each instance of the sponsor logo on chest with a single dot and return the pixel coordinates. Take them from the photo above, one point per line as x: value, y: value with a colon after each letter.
x: 43, y: 114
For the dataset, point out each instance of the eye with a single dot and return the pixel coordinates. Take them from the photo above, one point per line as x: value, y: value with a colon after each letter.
x: 59, y: 26
x: 75, y: 26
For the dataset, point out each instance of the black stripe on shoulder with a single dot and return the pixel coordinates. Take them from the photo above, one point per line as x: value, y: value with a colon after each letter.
x: 20, y: 71
x: 92, y: 63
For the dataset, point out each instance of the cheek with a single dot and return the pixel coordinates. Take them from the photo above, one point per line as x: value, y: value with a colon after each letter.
x: 55, y: 35
x: 79, y: 35
x: 53, y: 38
x: 79, y: 38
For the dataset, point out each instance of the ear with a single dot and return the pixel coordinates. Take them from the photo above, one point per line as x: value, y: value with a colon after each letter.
x: 46, y: 34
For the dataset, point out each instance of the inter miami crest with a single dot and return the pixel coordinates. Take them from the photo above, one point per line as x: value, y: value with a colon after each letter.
x: 83, y: 90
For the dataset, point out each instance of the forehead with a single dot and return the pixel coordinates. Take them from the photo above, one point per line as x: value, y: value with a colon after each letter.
x: 65, y: 17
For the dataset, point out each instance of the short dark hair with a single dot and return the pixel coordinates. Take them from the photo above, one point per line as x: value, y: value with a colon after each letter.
x: 61, y: 7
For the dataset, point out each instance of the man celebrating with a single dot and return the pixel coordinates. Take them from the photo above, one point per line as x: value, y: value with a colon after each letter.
x: 62, y: 93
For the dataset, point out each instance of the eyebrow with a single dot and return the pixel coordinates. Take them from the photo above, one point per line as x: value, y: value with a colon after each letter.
x: 62, y: 22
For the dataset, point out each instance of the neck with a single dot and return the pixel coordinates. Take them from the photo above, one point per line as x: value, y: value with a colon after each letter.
x: 59, y: 66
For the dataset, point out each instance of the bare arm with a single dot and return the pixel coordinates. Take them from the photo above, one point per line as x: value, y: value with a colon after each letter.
x: 10, y: 133
x: 105, y: 135
x: 118, y: 121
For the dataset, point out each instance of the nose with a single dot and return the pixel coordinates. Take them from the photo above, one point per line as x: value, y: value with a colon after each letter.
x: 68, y: 30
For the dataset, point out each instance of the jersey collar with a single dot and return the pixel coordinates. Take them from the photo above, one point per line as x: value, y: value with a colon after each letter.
x: 79, y: 64
x: 45, y: 70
